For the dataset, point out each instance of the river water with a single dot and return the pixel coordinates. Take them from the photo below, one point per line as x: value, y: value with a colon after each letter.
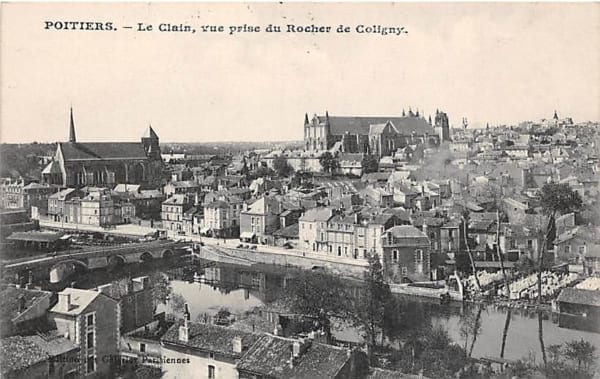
x: 241, y: 288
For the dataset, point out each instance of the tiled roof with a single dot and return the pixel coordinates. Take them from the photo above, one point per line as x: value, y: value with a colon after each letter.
x: 19, y: 352
x: 406, y: 231
x: 36, y: 236
x: 316, y: 214
x: 10, y: 301
x: 579, y: 296
x: 270, y: 357
x: 208, y: 337
x: 290, y: 231
x: 102, y: 150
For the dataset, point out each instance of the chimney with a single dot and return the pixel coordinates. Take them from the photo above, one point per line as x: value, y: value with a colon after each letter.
x: 105, y: 289
x: 296, y: 349
x: 236, y: 344
x: 64, y: 301
x: 184, y: 330
x: 22, y: 302
x: 140, y: 283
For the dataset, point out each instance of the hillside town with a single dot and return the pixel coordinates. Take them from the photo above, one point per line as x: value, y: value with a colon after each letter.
x: 506, y: 216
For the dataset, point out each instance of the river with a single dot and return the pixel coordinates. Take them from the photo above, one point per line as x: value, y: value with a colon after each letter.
x: 241, y: 288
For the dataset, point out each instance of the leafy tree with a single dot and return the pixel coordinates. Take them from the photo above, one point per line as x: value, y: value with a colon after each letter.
x: 328, y: 162
x: 371, y: 304
x: 369, y: 164
x: 581, y: 352
x: 320, y: 295
x: 555, y: 199
x: 282, y: 167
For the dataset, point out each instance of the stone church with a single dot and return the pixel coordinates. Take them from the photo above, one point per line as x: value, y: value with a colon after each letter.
x: 105, y: 164
x: 380, y: 136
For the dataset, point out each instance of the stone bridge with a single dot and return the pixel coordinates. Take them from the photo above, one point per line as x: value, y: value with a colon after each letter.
x: 62, y: 266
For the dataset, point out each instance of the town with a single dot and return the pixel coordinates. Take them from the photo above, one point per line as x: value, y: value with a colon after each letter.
x: 339, y: 256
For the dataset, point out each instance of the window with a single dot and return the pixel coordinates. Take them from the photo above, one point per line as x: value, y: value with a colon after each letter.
x: 142, y: 347
x: 394, y: 255
x: 567, y: 249
x: 211, y: 355
x: 404, y: 271
x: 211, y: 372
x: 530, y: 244
x: 581, y: 249
x: 90, y: 319
x: 90, y: 340
x: 339, y: 251
x: 419, y: 254
x: 91, y: 364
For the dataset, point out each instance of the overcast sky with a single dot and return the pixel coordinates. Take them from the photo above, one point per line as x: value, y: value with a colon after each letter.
x: 496, y: 63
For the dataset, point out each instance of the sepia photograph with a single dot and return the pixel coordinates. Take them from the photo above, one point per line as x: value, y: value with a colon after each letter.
x: 303, y: 190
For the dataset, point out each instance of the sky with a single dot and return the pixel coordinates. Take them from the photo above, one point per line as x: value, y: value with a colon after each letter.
x: 497, y: 63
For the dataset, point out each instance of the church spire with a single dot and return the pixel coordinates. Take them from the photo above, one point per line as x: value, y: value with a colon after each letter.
x: 72, y: 138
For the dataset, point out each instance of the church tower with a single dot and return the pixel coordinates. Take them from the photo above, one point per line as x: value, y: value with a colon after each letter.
x: 72, y: 138
x: 441, y: 122
x: 151, y: 144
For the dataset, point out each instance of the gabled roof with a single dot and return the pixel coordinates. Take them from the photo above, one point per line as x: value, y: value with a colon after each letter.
x: 579, y: 296
x: 149, y: 133
x: 317, y: 214
x: 102, y: 151
x: 406, y: 231
x: 208, y: 337
x: 80, y: 300
x: 270, y: 357
x: 17, y: 353
x: 11, y: 297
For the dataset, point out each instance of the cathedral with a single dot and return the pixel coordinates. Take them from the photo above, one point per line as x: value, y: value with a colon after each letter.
x: 380, y: 136
x: 105, y: 164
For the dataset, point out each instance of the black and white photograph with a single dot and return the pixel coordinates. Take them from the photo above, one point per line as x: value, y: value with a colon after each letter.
x: 302, y: 190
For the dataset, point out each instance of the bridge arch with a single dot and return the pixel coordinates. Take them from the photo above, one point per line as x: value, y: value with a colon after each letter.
x: 167, y: 254
x: 63, y: 269
x: 116, y: 261
x: 146, y: 257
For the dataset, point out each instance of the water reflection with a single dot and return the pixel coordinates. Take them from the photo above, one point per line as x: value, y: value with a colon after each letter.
x: 481, y: 330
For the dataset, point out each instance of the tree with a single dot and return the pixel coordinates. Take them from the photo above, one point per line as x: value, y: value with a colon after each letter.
x: 555, y: 199
x: 369, y: 164
x: 372, y: 302
x: 320, y: 295
x: 581, y: 352
x: 328, y: 162
x: 465, y: 220
x: 282, y: 167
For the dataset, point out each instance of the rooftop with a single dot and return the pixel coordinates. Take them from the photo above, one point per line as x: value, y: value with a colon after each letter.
x: 208, y: 337
x: 271, y: 355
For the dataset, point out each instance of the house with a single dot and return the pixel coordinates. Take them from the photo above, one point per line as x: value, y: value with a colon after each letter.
x: 572, y: 245
x: 90, y: 320
x: 312, y: 233
x: 18, y: 195
x: 274, y: 357
x: 136, y: 304
x: 406, y: 254
x: 579, y: 308
x: 377, y: 197
x: 221, y: 219
x: 56, y: 204
x: 197, y: 350
x: 23, y: 310
x: 173, y: 210
x: 97, y: 208
x: 181, y: 188
x: 46, y: 355
x: 260, y: 219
